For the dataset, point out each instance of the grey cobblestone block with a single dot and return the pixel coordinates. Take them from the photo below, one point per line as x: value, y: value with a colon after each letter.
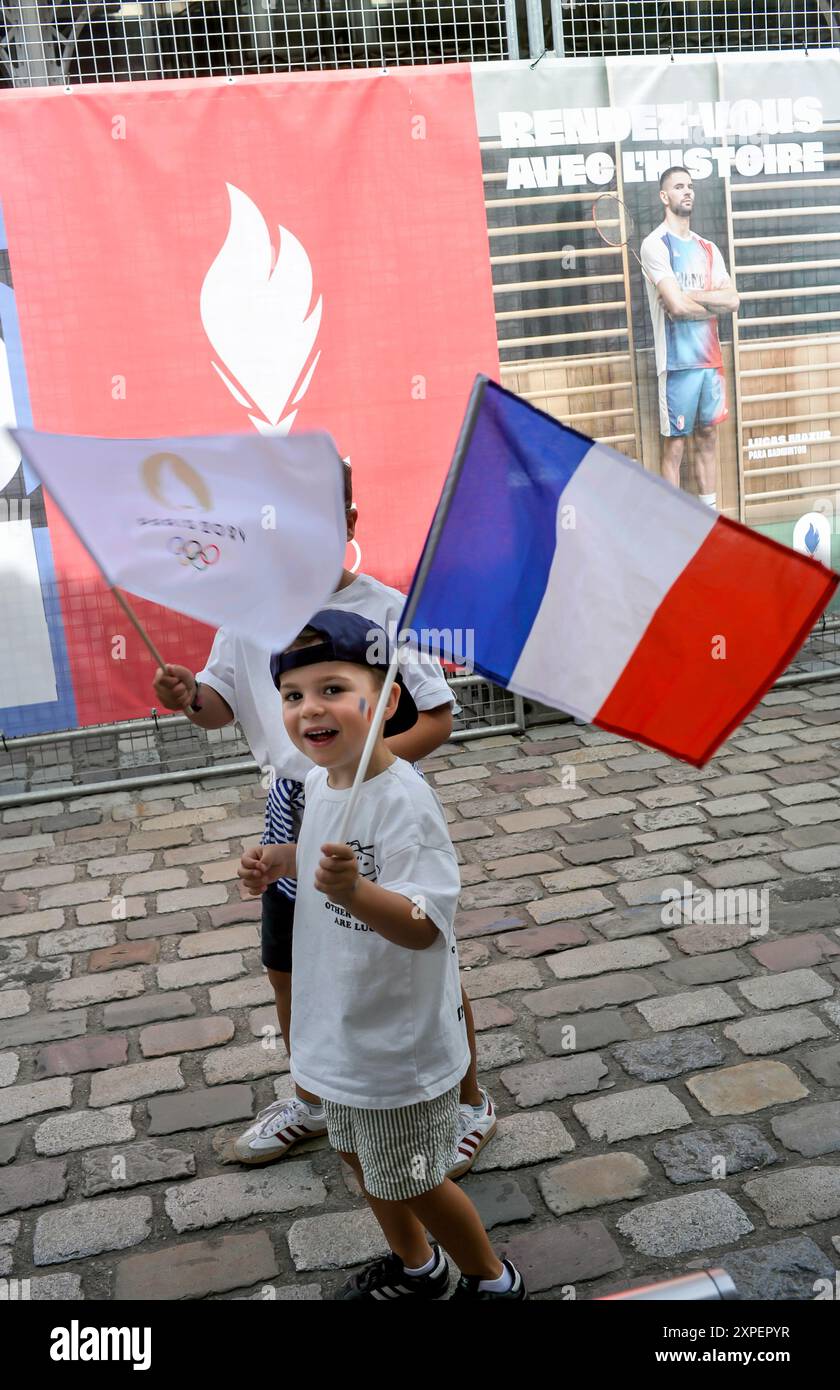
x: 652, y: 865
x: 797, y: 1196
x: 503, y: 894
x: 669, y: 817
x: 524, y: 1139
x: 706, y: 970
x: 84, y: 989
x: 155, y: 881
x: 62, y: 943
x: 200, y: 1109
x: 114, y: 1170
x: 9, y: 1065
x: 742, y: 847
x: 242, y: 994
x: 608, y: 956
x: 193, y: 1035
x: 685, y: 1010
x: 536, y: 1083
x: 670, y: 1054
x: 809, y: 861
x: 705, y: 1154
x: 810, y: 1130
x: 736, y: 783
x: 31, y: 923
x: 700, y: 939
x: 177, y: 924
x: 652, y: 890
x: 520, y: 864
x: 197, y: 1268
x: 135, y: 1080
x: 758, y: 1036
x: 489, y: 1013
x: 84, y: 1129
x: 244, y: 1063
x: 697, y: 1221
x: 119, y: 864
x: 592, y: 1182
x: 741, y: 1090
x: 786, y: 1270
x: 582, y: 876
x: 90, y: 1229
x: 585, y: 995
x: 563, y: 1037
x: 335, y: 1240
x: 822, y: 812
x: 16, y: 1102
x: 598, y: 850
x: 587, y: 902
x: 14, y: 1003
x: 209, y: 1201
x: 597, y: 807
x: 72, y: 894
x: 501, y: 979
x: 205, y: 970
x: 648, y: 1110
x: 537, y: 941
x: 47, y: 875
x: 35, y: 1028
x: 206, y: 896
x: 790, y: 987
x: 498, y: 1050
x: 129, y: 909
x: 564, y: 1255
x: 32, y: 1185
x: 738, y: 872
x: 607, y: 828
x: 824, y: 1064
x: 152, y: 1008
x: 500, y: 1201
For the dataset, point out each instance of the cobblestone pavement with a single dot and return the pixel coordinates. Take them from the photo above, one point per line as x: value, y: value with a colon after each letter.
x: 668, y: 1093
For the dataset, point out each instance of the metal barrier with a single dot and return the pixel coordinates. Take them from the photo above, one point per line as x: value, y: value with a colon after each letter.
x: 168, y: 748
x: 51, y: 43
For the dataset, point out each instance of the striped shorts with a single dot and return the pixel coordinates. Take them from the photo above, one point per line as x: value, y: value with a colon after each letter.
x: 403, y: 1153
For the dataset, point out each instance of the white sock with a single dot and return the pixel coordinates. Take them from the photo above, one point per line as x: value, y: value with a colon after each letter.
x: 500, y: 1285
x: 424, y: 1269
x: 316, y: 1111
x: 710, y: 498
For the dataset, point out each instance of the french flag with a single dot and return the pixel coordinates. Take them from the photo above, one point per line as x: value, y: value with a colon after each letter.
x: 594, y: 587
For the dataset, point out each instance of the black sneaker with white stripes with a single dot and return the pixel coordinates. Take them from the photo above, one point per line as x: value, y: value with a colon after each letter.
x: 385, y: 1279
x: 468, y: 1286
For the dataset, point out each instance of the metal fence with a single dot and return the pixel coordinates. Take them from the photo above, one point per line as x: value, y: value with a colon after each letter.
x: 141, y: 39
x: 169, y: 748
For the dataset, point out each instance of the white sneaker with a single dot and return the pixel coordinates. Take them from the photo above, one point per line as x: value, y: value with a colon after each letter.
x: 276, y: 1130
x: 474, y: 1131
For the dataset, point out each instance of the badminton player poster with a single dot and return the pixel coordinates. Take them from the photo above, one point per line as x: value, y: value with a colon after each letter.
x: 663, y: 241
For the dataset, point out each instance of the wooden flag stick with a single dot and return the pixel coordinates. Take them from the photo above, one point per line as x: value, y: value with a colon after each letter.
x: 132, y: 616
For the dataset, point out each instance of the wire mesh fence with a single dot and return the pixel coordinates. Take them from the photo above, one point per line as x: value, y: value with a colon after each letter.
x: 166, y: 747
x: 53, y: 43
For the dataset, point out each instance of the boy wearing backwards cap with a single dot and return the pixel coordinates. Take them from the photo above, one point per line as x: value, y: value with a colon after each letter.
x: 377, y: 1023
x: 236, y: 683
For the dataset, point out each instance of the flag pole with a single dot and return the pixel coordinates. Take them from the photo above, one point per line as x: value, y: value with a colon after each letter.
x: 422, y: 570
x: 132, y: 616
x: 446, y: 497
x: 372, y: 736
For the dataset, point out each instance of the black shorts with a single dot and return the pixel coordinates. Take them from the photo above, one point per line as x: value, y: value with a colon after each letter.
x: 278, y: 915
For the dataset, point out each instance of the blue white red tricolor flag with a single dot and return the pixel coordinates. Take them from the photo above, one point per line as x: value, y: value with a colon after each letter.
x: 597, y: 588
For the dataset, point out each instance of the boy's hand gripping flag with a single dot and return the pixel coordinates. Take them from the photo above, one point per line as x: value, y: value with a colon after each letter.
x: 241, y: 532
x: 592, y: 586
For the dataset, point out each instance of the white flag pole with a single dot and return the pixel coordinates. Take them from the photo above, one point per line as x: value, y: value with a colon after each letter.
x: 373, y: 734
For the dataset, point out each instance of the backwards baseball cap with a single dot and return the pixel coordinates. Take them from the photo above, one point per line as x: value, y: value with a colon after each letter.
x: 349, y: 637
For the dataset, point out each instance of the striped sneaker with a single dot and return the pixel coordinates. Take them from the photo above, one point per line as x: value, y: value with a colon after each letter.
x: 468, y: 1286
x: 276, y: 1130
x: 474, y: 1131
x: 385, y: 1280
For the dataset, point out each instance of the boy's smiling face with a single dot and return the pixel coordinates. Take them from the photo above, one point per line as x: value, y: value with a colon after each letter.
x: 327, y: 709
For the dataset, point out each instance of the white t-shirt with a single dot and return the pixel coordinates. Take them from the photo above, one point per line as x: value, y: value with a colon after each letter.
x: 695, y: 264
x: 239, y: 671
x: 374, y: 1025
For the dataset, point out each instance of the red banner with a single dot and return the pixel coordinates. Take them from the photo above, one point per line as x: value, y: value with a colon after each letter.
x: 200, y: 257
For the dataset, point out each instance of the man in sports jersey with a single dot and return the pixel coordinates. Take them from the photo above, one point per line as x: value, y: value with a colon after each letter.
x: 688, y: 288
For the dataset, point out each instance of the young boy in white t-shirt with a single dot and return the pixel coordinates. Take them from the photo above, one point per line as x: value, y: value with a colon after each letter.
x: 377, y: 1024
x: 236, y: 683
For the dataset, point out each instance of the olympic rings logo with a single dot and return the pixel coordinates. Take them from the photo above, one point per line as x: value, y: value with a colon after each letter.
x: 192, y: 552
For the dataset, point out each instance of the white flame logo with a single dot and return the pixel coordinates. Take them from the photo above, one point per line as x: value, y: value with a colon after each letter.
x: 258, y: 318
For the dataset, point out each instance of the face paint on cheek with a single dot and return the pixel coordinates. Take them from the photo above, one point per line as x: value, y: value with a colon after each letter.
x: 365, y: 708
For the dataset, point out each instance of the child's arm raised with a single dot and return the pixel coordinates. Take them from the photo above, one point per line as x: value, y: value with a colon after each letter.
x: 389, y: 914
